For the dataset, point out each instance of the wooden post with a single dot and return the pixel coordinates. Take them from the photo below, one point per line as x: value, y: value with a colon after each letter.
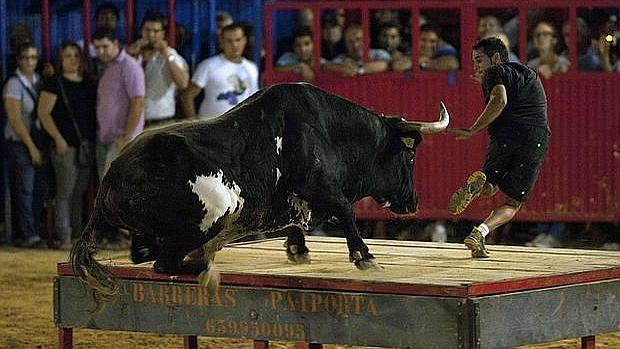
x: 588, y: 342
x: 258, y: 344
x: 65, y: 338
x: 190, y: 342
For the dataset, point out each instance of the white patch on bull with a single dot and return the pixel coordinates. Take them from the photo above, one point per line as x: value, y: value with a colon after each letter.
x: 216, y: 197
x: 278, y: 175
x: 303, y: 211
x: 278, y: 145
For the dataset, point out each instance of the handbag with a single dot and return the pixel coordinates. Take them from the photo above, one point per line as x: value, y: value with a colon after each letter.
x: 85, y: 156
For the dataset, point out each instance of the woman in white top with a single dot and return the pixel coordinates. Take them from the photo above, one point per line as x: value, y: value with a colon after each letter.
x: 20, y: 97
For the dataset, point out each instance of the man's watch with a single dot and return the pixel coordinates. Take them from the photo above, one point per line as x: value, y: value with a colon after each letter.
x: 361, y: 70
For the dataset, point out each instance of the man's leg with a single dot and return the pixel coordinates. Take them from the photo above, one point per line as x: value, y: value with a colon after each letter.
x: 468, y: 192
x: 498, y: 217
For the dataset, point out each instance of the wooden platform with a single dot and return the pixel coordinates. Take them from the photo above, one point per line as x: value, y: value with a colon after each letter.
x: 428, y: 295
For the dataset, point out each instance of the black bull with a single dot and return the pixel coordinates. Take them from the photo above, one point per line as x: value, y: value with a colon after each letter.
x: 291, y: 155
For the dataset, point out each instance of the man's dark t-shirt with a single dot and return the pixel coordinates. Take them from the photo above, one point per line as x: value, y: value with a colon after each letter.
x: 82, y: 97
x: 527, y: 102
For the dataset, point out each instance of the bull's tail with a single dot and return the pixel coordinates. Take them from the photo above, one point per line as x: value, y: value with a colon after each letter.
x: 100, y: 280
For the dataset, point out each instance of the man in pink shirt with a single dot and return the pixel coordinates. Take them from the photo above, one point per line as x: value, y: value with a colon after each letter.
x: 120, y: 98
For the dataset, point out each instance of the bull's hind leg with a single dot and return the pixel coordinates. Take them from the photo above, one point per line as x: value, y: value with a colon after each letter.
x: 296, y: 249
x: 176, y: 246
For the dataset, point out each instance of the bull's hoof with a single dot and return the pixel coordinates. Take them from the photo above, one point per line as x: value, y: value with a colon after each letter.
x: 210, y: 278
x: 298, y: 255
x: 368, y: 264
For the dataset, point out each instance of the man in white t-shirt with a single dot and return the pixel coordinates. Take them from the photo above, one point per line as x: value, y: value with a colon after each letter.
x: 227, y: 78
x: 165, y: 70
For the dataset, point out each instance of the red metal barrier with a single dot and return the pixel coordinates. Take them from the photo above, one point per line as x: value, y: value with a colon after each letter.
x: 579, y: 181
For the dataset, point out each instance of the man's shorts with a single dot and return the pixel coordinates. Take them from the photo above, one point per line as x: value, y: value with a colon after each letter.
x: 513, y: 162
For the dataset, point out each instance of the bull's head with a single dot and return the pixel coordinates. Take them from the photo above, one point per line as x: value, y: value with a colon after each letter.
x: 395, y: 189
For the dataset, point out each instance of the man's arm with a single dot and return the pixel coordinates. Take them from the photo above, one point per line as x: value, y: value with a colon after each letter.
x: 444, y: 63
x: 497, y: 102
x: 136, y: 106
x: 180, y: 76
x: 187, y: 98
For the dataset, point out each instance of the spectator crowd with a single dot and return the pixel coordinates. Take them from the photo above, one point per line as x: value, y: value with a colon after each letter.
x: 65, y: 123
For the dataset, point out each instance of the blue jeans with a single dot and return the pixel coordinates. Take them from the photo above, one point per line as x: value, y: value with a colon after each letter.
x: 30, y: 189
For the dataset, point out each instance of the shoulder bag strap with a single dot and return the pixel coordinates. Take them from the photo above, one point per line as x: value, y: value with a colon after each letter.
x: 35, y: 100
x: 66, y: 101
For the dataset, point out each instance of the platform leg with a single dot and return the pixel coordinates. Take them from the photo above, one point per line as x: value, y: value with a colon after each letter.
x: 588, y: 342
x: 65, y: 338
x: 258, y: 344
x: 308, y: 346
x: 190, y: 342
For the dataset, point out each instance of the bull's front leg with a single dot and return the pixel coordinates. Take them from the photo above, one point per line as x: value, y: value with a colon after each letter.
x: 358, y: 251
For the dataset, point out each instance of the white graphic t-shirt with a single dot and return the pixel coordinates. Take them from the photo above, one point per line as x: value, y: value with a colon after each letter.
x: 225, y: 84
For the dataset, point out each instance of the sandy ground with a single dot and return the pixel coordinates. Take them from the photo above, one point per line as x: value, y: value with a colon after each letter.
x: 26, y: 314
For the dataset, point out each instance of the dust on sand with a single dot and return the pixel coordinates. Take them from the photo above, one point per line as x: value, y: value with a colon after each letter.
x: 26, y: 312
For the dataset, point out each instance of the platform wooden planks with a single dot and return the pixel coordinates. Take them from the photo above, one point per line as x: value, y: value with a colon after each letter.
x: 411, y: 268
x: 428, y: 295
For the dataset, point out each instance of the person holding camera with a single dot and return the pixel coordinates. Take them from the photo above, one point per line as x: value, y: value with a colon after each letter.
x: 165, y: 71
x: 67, y: 108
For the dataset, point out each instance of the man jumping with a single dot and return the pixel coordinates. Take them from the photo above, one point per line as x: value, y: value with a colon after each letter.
x: 516, y: 119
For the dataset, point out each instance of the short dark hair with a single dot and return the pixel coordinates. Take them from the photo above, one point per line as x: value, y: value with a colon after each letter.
x: 389, y: 25
x: 302, y: 31
x: 492, y: 45
x: 105, y: 33
x: 23, y: 46
x: 234, y: 26
x: 155, y: 16
x: 107, y: 7
x: 431, y: 27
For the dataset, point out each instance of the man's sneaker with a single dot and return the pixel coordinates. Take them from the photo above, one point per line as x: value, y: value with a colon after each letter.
x: 475, y: 242
x: 463, y: 196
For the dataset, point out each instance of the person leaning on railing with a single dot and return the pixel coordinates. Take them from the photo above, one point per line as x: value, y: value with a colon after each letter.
x: 352, y: 62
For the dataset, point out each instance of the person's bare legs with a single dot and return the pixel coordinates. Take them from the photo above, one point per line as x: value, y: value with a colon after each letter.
x: 498, y: 217
x: 503, y: 214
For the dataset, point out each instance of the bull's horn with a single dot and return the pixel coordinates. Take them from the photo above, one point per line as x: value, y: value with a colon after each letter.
x: 431, y: 127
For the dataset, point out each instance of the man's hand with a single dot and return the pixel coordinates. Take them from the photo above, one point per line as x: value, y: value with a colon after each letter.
x: 162, y: 47
x: 135, y: 48
x: 461, y: 133
x: 477, y: 77
x: 121, y: 142
x: 306, y: 72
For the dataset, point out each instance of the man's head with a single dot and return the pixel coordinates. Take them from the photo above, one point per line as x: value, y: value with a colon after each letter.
x: 488, y: 25
x: 354, y: 41
x: 389, y: 37
x: 430, y: 38
x: 106, y: 44
x: 303, y: 44
x: 153, y: 27
x: 233, y: 41
x: 487, y: 52
x: 106, y: 16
